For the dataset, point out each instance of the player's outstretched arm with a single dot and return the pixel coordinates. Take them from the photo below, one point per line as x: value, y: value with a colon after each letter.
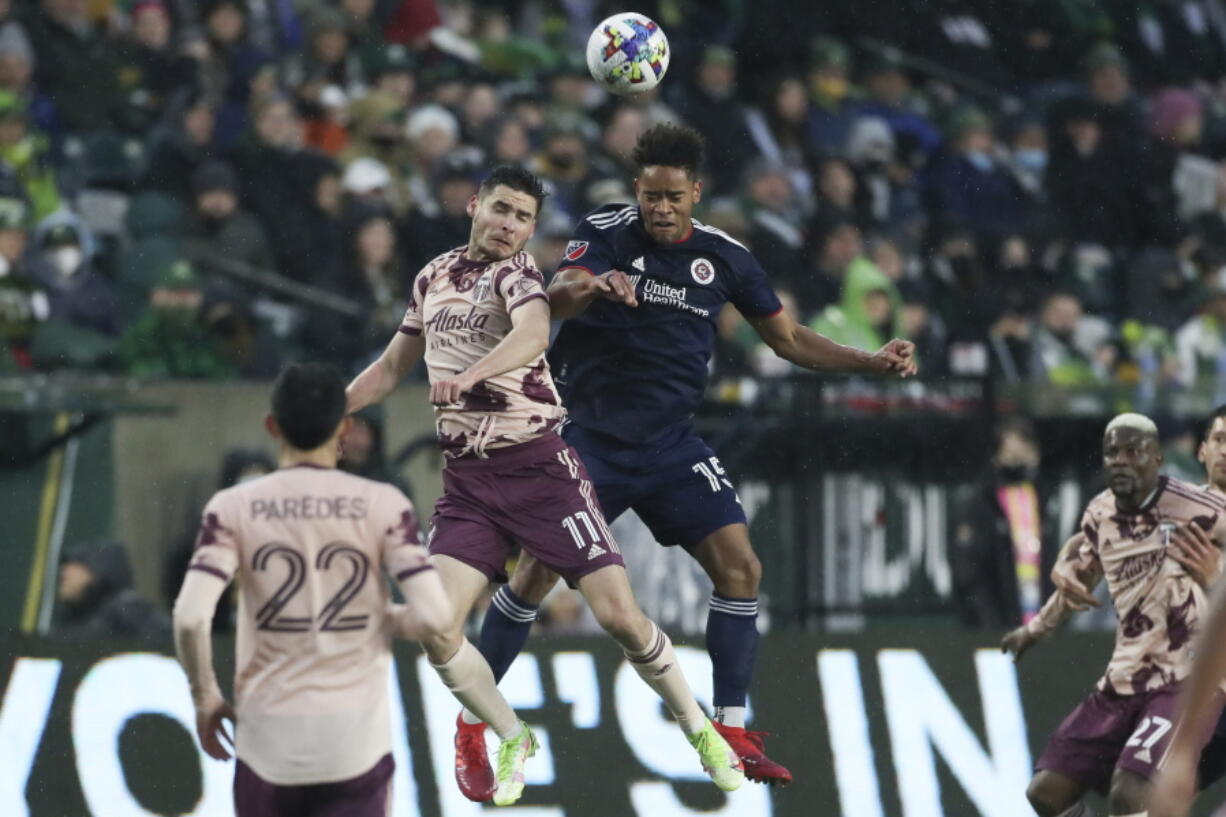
x: 528, y: 338
x: 804, y: 347
x: 193, y: 620
x: 1176, y: 784
x: 572, y: 290
x: 380, y: 378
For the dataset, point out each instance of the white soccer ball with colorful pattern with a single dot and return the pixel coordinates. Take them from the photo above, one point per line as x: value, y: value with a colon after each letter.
x: 628, y: 54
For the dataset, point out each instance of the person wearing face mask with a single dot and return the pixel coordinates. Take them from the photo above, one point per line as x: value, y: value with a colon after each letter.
x: 62, y: 262
x: 1027, y: 158
x: 1003, y: 544
x: 566, y: 167
x: 219, y: 227
x: 969, y: 186
x: 833, y: 109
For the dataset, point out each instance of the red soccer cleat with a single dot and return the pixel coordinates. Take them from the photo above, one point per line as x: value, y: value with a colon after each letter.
x: 758, y: 767
x: 473, y: 773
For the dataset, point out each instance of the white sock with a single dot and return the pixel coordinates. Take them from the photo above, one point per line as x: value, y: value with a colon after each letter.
x: 657, y: 665
x: 471, y: 680
x: 731, y: 716
x: 469, y: 718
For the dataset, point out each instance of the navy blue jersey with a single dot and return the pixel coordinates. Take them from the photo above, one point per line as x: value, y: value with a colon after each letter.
x: 634, y: 373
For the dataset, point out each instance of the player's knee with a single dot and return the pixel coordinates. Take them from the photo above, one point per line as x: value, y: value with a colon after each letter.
x: 739, y: 575
x: 622, y: 619
x: 1128, y: 793
x: 1044, y: 798
x: 441, y: 643
x: 531, y: 582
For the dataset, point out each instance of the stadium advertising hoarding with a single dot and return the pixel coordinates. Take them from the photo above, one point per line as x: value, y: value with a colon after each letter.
x: 915, y: 725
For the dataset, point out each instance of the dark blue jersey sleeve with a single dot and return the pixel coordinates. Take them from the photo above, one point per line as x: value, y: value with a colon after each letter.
x: 590, y: 248
x: 753, y: 296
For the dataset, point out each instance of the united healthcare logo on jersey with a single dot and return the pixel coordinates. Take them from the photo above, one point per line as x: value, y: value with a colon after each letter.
x: 703, y: 271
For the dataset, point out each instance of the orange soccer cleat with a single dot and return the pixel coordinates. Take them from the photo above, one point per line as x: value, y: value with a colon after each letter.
x: 473, y: 773
x: 758, y: 767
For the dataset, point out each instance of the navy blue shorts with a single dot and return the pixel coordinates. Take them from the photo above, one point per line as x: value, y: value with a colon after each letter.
x: 677, y: 486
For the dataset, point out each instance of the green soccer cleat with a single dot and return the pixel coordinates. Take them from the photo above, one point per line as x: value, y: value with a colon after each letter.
x: 513, y: 753
x: 718, y: 760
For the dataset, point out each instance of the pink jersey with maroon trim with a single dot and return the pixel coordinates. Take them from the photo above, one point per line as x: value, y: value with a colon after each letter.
x: 463, y: 308
x: 308, y: 547
x: 1159, y: 605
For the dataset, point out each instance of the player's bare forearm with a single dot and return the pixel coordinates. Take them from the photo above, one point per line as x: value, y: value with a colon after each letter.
x: 1201, y: 688
x: 381, y: 377
x: 572, y: 290
x: 801, y: 345
x: 528, y: 338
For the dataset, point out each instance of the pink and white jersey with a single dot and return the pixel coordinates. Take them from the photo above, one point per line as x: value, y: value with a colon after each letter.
x: 308, y: 547
x: 464, y: 308
x: 1159, y: 605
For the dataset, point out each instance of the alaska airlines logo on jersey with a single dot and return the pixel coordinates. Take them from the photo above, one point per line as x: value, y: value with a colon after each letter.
x: 575, y: 250
x: 658, y: 292
x: 703, y: 271
x: 447, y: 321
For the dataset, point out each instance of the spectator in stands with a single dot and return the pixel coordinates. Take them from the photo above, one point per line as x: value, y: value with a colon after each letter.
x: 1109, y: 85
x: 1175, y: 43
x: 1004, y: 539
x: 889, y: 95
x: 1208, y: 229
x: 218, y: 228
x: 1067, y: 343
x: 712, y: 108
x: 921, y: 325
x: 565, y: 166
x: 837, y: 191
x: 509, y: 143
x: 97, y: 600
x: 1178, y: 177
x: 169, y: 339
x: 244, y: 341
x: 75, y: 65
x: 179, y: 152
x: 391, y: 73
x: 364, y: 452
x: 1043, y: 40
x: 481, y: 107
x: 869, y: 313
x: 311, y: 235
x: 151, y: 73
x: 776, y: 221
x: 1092, y: 199
x: 23, y: 303
x: 832, y: 110
x: 1027, y: 157
x: 424, y: 235
x: 887, y: 195
x: 326, y: 60
x: 838, y: 246
x: 779, y: 130
x: 230, y: 66
x: 367, y: 185
x: 27, y: 152
x: 969, y: 187
x: 63, y: 264
x: 17, y: 74
x: 432, y: 132
x: 1200, y: 344
x: 621, y: 131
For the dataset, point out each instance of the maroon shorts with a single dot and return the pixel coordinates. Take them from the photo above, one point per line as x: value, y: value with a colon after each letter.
x: 536, y: 494
x: 1108, y: 731
x: 367, y: 795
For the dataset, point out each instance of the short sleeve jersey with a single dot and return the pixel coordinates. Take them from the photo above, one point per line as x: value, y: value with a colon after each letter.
x: 308, y: 547
x: 464, y: 308
x: 635, y: 372
x: 1158, y: 603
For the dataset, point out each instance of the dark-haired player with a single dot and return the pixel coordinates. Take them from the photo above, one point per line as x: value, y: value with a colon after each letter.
x: 480, y: 315
x: 642, y: 286
x: 1117, y: 738
x: 309, y: 544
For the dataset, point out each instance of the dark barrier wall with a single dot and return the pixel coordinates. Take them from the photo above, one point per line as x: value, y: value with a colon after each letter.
x: 876, y: 725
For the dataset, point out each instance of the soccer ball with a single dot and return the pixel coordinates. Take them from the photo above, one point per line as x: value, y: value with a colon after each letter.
x: 628, y: 54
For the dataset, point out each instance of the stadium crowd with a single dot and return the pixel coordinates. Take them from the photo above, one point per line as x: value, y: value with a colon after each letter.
x: 1031, y: 189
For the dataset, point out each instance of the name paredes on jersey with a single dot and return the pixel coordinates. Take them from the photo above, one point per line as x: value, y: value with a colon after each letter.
x: 658, y: 292
x: 309, y: 507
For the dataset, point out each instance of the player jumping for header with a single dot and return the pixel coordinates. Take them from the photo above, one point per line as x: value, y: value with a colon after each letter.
x: 480, y: 315
x: 1116, y: 739
x: 308, y: 545
x: 642, y: 286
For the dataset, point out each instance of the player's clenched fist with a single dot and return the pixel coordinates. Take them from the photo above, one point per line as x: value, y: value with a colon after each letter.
x: 616, y: 286
x: 896, y: 357
x: 449, y: 391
